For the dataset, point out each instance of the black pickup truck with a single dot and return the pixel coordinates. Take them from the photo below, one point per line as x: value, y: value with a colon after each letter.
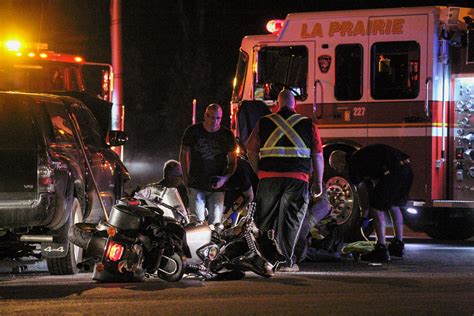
x: 56, y: 169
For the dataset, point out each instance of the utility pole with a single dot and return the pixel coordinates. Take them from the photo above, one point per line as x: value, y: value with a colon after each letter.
x: 118, y: 107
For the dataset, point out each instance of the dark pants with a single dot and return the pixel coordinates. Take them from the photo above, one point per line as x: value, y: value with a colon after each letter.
x: 391, y: 189
x: 317, y: 210
x: 281, y: 206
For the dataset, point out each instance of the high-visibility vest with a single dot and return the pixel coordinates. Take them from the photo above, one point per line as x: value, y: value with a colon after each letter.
x: 284, y: 128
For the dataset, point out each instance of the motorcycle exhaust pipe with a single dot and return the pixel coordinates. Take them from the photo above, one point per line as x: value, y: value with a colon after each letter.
x: 84, y: 266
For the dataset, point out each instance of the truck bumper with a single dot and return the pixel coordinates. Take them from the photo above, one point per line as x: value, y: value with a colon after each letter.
x: 20, y: 214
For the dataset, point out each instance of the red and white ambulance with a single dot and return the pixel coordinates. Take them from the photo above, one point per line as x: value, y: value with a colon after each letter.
x: 400, y: 76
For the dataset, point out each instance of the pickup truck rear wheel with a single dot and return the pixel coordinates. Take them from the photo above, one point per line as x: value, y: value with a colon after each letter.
x: 68, y: 264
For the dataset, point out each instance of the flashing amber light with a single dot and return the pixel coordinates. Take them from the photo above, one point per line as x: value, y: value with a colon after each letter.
x: 78, y: 59
x: 111, y: 231
x: 19, y: 54
x: 13, y: 45
x: 31, y: 55
x: 275, y: 26
x: 114, y: 251
x: 43, y: 55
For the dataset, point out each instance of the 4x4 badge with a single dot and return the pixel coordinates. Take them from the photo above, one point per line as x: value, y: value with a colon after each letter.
x: 28, y: 186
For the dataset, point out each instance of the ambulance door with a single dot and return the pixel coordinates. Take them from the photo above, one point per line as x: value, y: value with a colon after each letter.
x: 398, y: 71
x: 284, y: 65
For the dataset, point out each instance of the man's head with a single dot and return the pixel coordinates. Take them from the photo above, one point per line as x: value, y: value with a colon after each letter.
x: 172, y: 172
x: 213, y: 117
x: 286, y: 99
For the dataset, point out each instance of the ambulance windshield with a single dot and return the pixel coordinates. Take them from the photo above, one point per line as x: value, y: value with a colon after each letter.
x: 279, y: 67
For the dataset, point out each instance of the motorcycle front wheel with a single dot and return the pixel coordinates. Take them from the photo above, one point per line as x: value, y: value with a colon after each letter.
x: 171, y: 268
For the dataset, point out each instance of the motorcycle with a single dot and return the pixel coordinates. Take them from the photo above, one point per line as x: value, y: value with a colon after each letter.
x: 133, y: 243
x: 151, y: 235
x: 214, y: 254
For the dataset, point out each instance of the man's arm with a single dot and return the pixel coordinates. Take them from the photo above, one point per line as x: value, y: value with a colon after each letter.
x: 184, y: 160
x: 248, y: 197
x: 253, y: 159
x: 318, y: 170
x: 253, y: 148
x: 317, y: 159
x: 231, y: 165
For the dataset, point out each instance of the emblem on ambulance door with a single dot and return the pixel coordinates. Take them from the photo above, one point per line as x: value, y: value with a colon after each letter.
x: 324, y: 62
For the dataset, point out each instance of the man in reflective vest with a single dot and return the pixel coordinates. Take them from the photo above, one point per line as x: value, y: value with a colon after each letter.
x: 285, y: 152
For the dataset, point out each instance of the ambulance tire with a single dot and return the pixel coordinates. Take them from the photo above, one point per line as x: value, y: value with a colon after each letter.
x: 344, y: 196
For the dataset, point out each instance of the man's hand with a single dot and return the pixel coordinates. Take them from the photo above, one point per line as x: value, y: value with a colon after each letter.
x: 316, y: 189
x: 221, y: 180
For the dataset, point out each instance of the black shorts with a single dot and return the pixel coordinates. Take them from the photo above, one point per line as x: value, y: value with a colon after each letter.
x: 392, y: 189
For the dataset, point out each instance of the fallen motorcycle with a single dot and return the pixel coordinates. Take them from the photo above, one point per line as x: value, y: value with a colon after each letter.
x: 134, y: 242
x: 213, y: 253
x: 150, y: 235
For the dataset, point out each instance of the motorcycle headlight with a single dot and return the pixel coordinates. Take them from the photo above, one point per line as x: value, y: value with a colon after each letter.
x: 213, y: 252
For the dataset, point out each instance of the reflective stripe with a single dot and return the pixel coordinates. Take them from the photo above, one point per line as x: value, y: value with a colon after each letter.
x: 285, y: 128
x: 277, y: 133
x: 285, y: 152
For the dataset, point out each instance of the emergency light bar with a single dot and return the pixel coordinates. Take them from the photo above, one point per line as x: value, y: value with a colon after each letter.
x: 275, y: 26
x: 16, y: 48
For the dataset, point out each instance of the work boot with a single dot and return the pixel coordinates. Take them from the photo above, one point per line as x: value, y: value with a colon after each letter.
x: 379, y: 254
x: 286, y: 268
x: 396, y: 248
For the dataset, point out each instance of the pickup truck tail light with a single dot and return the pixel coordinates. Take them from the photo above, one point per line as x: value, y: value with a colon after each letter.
x: 45, y: 178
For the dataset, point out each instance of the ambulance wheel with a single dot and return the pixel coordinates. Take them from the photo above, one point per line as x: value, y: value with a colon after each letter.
x: 345, y: 198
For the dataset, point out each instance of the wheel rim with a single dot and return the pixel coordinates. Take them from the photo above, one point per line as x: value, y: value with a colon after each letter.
x: 77, y: 218
x: 341, y: 198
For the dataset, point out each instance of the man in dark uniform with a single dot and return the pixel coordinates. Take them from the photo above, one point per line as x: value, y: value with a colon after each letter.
x: 285, y: 150
x: 388, y: 177
x: 173, y: 178
x: 239, y: 192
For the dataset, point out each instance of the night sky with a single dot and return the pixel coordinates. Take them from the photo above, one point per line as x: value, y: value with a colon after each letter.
x: 173, y: 51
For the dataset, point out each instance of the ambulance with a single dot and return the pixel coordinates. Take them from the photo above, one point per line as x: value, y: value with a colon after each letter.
x: 399, y: 76
x: 32, y: 67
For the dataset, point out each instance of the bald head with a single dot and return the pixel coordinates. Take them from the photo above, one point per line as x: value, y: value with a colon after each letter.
x: 213, y: 117
x: 286, y: 98
x: 213, y: 107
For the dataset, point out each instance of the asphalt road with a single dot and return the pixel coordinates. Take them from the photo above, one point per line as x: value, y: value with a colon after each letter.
x: 433, y: 279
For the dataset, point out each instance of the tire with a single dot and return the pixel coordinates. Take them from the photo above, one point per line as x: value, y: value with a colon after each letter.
x: 171, y: 268
x: 346, y: 200
x: 68, y: 264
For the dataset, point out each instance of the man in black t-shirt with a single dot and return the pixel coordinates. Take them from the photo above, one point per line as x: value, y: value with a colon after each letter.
x: 208, y: 161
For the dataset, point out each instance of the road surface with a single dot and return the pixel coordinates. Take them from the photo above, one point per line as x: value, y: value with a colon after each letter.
x: 433, y: 279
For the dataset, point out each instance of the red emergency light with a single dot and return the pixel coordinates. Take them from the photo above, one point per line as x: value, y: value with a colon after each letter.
x: 275, y: 26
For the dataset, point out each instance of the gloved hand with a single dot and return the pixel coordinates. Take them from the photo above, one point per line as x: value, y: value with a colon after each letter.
x: 364, y: 222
